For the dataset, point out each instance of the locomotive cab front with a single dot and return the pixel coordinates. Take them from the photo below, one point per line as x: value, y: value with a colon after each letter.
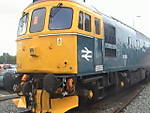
x: 58, y: 41
x: 45, y: 42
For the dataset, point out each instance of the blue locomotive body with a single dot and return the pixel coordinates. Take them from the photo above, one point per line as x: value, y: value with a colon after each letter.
x: 123, y: 48
x: 130, y: 50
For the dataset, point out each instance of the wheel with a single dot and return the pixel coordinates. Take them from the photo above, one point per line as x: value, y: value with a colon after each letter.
x: 117, y: 86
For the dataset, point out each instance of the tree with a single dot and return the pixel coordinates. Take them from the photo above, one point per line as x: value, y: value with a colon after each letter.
x: 6, y: 58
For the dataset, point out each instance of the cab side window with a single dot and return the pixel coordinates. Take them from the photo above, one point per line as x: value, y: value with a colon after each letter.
x: 87, y: 23
x: 84, y: 22
x: 22, y: 28
x: 97, y: 26
x: 80, y: 25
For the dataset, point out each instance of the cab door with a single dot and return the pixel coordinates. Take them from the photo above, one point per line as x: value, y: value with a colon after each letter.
x: 98, y: 56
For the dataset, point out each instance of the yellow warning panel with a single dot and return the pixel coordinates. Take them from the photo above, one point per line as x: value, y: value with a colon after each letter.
x: 45, y: 104
x: 64, y: 104
x: 20, y: 102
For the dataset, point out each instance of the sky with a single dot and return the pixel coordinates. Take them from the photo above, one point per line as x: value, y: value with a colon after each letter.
x: 132, y: 12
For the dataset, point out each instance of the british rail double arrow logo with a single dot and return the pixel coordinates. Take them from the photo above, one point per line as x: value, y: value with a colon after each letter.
x: 87, y: 54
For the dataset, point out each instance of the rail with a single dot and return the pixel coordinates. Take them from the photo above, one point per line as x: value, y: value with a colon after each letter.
x: 8, y: 97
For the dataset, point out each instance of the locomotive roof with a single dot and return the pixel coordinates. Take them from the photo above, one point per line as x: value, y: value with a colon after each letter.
x: 94, y: 9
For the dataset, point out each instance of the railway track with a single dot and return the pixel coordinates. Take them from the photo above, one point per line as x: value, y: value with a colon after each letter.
x: 115, y: 103
x: 128, y: 101
x: 8, y: 97
x: 4, y: 95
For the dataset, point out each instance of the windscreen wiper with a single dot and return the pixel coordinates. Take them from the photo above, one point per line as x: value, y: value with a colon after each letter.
x: 58, y: 7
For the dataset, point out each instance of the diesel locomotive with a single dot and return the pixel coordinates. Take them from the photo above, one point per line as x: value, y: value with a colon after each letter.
x: 70, y: 53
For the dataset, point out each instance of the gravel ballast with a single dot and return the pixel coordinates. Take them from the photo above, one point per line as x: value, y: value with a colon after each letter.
x: 8, y: 107
x: 141, y: 104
